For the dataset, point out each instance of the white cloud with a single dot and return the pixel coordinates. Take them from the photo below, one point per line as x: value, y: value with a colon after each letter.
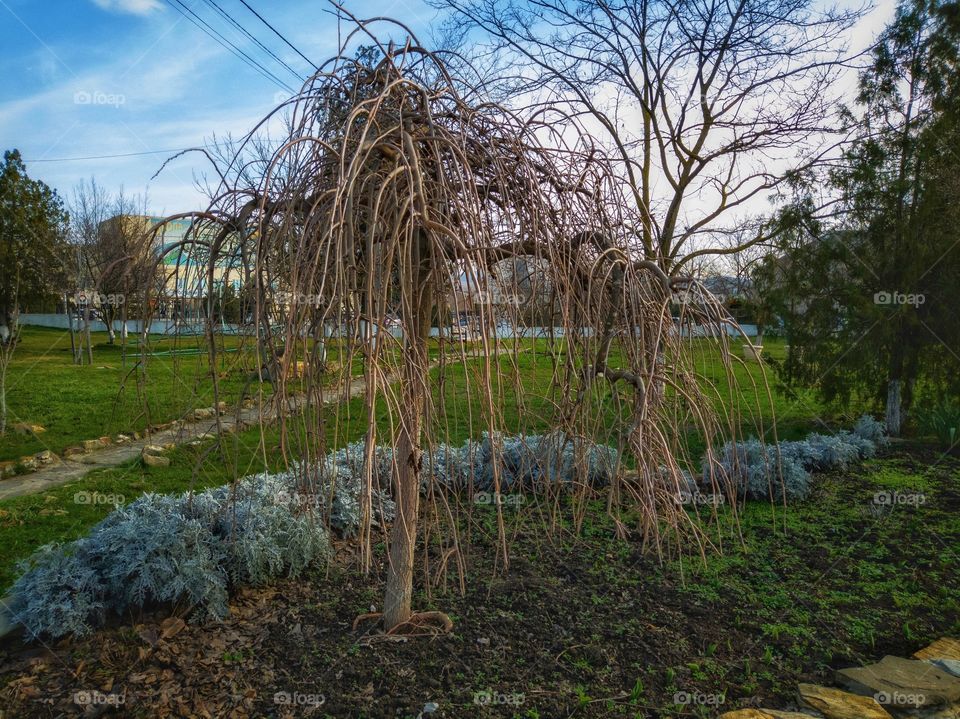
x: 135, y: 7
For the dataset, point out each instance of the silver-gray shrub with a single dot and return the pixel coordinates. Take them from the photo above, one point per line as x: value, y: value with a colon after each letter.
x: 59, y: 592
x: 267, y: 530
x: 341, y: 477
x: 830, y: 451
x: 156, y: 549
x: 522, y: 462
x: 189, y: 549
x: 866, y: 448
x: 764, y: 471
x: 755, y: 470
x: 869, y: 428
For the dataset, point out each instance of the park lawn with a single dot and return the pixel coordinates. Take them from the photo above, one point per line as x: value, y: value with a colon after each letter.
x: 67, y: 512
x: 74, y: 403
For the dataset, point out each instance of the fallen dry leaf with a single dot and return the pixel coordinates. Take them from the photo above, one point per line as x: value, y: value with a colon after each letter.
x: 171, y: 627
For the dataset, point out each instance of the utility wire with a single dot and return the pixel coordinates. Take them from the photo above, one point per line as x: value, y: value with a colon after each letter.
x: 105, y: 157
x: 216, y: 6
x: 223, y: 42
x: 279, y: 35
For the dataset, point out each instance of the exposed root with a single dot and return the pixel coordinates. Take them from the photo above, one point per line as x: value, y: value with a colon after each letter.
x: 420, y: 624
x: 365, y: 618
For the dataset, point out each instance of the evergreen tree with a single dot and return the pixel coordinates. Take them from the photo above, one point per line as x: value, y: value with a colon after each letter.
x: 869, y: 300
x: 33, y: 231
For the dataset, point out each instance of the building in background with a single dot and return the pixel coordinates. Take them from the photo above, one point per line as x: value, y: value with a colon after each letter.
x: 181, y: 248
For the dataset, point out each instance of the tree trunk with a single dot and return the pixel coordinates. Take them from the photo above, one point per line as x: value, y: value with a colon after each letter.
x: 409, y: 456
x: 3, y: 392
x: 897, y: 377
x: 73, y: 344
x: 9, y: 318
x: 86, y: 334
x: 3, y: 399
x: 894, y: 418
x: 6, y: 325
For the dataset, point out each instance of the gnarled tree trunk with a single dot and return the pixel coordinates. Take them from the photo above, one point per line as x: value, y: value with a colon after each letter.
x: 417, y: 311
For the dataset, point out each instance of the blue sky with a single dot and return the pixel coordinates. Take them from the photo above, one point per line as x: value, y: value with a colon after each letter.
x: 106, y: 77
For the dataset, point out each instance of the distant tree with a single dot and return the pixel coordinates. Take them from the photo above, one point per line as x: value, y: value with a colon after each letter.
x: 32, y: 246
x: 736, y: 273
x: 116, y: 261
x: 230, y: 307
x: 870, y: 300
x: 33, y: 230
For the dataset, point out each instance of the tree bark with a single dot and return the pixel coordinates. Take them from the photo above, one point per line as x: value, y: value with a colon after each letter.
x: 3, y: 399
x: 409, y: 456
x: 86, y: 334
x: 73, y: 344
x: 894, y: 417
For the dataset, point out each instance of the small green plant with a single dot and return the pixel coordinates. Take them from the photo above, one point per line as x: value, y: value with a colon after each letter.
x: 234, y: 657
x: 942, y: 421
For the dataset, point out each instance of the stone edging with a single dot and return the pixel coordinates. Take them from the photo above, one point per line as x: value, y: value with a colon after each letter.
x: 927, y: 686
x: 46, y: 458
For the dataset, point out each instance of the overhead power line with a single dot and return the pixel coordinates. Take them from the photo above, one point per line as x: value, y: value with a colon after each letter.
x: 226, y: 16
x: 105, y: 157
x: 276, y: 32
x: 190, y: 15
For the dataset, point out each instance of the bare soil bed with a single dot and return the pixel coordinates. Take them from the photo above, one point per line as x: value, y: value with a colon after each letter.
x: 585, y: 626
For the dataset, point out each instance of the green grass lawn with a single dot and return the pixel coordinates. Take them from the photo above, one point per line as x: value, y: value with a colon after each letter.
x: 29, y: 522
x: 117, y: 395
x: 73, y: 403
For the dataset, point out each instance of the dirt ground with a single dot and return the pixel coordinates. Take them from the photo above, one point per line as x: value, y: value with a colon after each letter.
x: 577, y: 627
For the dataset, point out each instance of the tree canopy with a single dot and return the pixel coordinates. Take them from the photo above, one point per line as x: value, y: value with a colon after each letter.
x: 33, y: 239
x: 869, y: 298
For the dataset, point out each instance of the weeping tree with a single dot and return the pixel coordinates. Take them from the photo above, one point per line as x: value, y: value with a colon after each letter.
x: 391, y: 191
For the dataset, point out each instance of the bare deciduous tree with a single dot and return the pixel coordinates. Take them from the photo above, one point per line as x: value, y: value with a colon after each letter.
x: 706, y: 105
x: 115, y: 255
